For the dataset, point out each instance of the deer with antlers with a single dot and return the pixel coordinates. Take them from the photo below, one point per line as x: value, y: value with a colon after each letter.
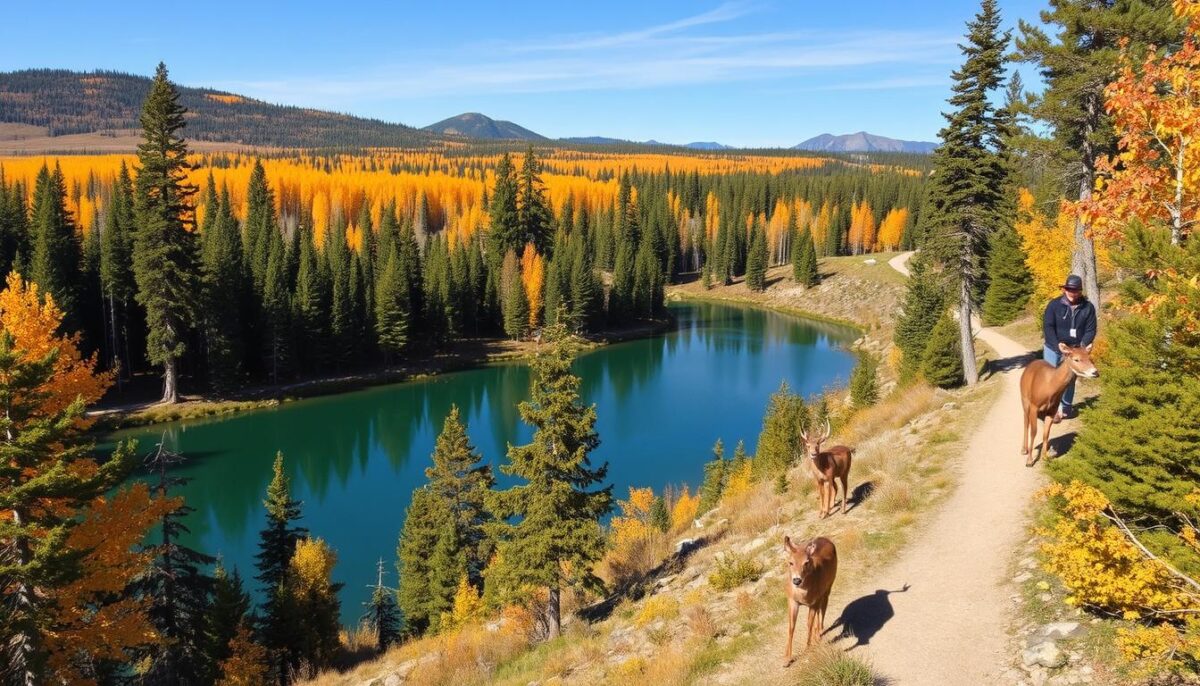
x: 1042, y: 388
x: 828, y: 467
x: 812, y: 570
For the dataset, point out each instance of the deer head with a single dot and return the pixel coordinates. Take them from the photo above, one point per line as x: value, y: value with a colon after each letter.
x: 1079, y: 360
x: 800, y: 562
x: 812, y: 444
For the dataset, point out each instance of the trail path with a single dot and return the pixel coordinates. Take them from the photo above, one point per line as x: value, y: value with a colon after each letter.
x: 950, y: 625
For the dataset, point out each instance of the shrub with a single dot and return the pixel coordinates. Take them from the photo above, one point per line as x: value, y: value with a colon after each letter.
x: 830, y: 666
x: 732, y: 570
x: 656, y: 607
x: 942, y: 361
x: 683, y: 513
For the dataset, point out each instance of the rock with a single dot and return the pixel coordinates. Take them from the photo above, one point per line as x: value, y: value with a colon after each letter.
x: 1045, y: 654
x: 393, y: 680
x: 1059, y: 630
x: 1022, y: 578
x: 1046, y: 597
x: 684, y: 545
x: 869, y: 260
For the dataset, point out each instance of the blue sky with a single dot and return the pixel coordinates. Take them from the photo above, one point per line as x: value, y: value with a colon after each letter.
x: 751, y: 73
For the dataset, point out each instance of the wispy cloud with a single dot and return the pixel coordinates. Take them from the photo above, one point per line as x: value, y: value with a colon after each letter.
x: 690, y: 50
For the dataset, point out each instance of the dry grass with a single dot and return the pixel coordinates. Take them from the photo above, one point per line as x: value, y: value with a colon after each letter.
x: 893, y: 412
x: 826, y: 665
x: 731, y: 570
x: 656, y: 607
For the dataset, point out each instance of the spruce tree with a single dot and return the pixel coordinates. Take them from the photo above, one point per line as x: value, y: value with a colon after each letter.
x: 383, y: 615
x: 924, y: 302
x: 941, y: 364
x: 164, y: 260
x: 716, y: 473
x: 864, y: 386
x: 56, y: 259
x: 534, y: 215
x: 422, y: 525
x: 804, y: 259
x: 311, y: 303
x: 178, y: 591
x: 225, y: 292
x: 277, y: 545
x: 461, y: 480
x: 276, y: 311
x: 225, y: 615
x: 515, y: 305
x: 1009, y: 282
x: 756, y: 259
x: 261, y: 229
x: 548, y: 524
x: 776, y: 449
x: 116, y: 268
x: 970, y: 176
x: 392, y: 309
x: 503, y: 215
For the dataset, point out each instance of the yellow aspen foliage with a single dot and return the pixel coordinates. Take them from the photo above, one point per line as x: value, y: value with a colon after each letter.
x: 1100, y: 567
x: 247, y: 662
x: 312, y: 566
x: 891, y: 229
x: 739, y: 483
x: 94, y: 617
x: 1047, y: 245
x: 468, y: 606
x: 1158, y: 648
x: 633, y: 524
x: 34, y: 320
x: 533, y: 276
x: 683, y: 513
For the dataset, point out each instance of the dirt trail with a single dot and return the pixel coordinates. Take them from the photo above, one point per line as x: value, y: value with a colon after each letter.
x: 950, y: 625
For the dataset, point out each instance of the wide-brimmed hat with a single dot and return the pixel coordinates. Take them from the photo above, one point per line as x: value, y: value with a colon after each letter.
x: 1074, y: 283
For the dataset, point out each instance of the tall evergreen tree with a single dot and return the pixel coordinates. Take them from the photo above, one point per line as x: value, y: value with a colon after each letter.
x: 116, y: 268
x: 1009, y: 282
x: 383, y: 615
x: 716, y: 473
x: 756, y: 259
x: 55, y: 262
x: 515, y: 304
x: 392, y: 309
x: 534, y: 215
x: 970, y: 175
x: 776, y: 449
x: 461, y: 480
x: 804, y: 259
x: 276, y: 547
x: 164, y: 260
x: 422, y: 526
x: 549, y: 523
x: 225, y: 291
x: 941, y: 364
x: 1077, y: 63
x: 503, y: 214
x: 225, y: 615
x: 924, y: 301
x: 178, y: 591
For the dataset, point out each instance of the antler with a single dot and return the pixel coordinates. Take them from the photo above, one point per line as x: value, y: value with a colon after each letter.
x: 828, y: 431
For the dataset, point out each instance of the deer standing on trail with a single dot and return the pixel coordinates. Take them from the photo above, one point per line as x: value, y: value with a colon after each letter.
x: 827, y: 467
x: 1042, y: 387
x: 812, y: 569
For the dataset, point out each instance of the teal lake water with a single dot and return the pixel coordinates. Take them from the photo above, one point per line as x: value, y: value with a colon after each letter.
x: 355, y: 458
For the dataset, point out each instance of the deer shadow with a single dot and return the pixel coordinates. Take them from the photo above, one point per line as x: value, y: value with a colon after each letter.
x: 863, y: 617
x: 1005, y: 364
x: 860, y: 493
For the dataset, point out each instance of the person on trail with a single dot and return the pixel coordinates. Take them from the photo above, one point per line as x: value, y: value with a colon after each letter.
x: 1070, y: 319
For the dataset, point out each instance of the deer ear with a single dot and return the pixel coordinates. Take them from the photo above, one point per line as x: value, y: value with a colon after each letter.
x: 1063, y: 347
x: 787, y: 543
x: 811, y: 549
x: 1088, y: 347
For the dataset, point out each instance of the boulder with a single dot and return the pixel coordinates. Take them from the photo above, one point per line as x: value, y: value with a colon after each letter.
x: 1060, y: 630
x: 1045, y: 654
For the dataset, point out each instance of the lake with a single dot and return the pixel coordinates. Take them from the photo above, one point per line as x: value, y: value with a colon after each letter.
x: 355, y: 458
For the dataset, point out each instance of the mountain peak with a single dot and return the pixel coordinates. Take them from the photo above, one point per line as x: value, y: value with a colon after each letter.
x: 862, y: 141
x: 479, y: 125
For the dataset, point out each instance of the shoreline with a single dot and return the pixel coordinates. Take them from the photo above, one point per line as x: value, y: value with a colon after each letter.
x: 678, y: 294
x: 463, y: 355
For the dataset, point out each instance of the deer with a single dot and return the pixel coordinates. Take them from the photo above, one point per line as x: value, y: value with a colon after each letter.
x: 813, y: 567
x: 1042, y: 387
x: 827, y: 467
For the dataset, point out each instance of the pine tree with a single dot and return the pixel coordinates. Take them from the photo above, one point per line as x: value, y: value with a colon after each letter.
x: 311, y: 303
x: 970, y: 173
x: 224, y: 292
x: 277, y: 311
x: 461, y: 480
x: 515, y: 304
x: 392, y: 309
x: 261, y: 230
x: 660, y: 517
x: 164, y: 261
x: 505, y: 230
x: 756, y: 259
x: 534, y: 215
x: 383, y: 615
x: 225, y: 616
x: 548, y: 524
x: 55, y: 262
x: 418, y: 539
x: 924, y: 302
x: 1009, y: 282
x: 14, y: 226
x: 716, y: 473
x: 777, y: 443
x: 864, y: 386
x: 804, y: 260
x: 941, y: 364
x: 178, y: 591
x: 276, y: 547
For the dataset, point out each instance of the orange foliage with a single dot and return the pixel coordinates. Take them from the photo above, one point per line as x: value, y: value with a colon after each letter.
x: 861, y: 237
x: 89, y: 621
x: 34, y: 320
x: 533, y: 275
x: 247, y: 662
x: 1047, y: 246
x: 891, y: 229
x: 684, y: 511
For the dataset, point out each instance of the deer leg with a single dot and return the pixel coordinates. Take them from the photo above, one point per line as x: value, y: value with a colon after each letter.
x: 812, y: 624
x: 1046, y: 437
x: 845, y: 491
x: 1031, y: 427
x: 793, y: 610
x: 1025, y: 431
x: 826, y: 498
x: 821, y: 617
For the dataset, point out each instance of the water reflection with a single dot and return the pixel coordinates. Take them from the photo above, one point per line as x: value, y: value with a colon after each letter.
x: 355, y: 458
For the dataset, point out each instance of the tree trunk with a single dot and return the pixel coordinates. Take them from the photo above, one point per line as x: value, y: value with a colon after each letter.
x: 553, y: 616
x: 170, y: 387
x: 970, y: 368
x: 1083, y: 257
x: 21, y: 646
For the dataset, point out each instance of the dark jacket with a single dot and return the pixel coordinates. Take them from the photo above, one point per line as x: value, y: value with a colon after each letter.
x: 1060, y: 318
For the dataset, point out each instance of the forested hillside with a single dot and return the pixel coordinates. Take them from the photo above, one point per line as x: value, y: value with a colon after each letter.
x: 69, y: 102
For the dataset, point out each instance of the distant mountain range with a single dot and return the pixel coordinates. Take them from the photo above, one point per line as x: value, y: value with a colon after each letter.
x: 863, y: 142
x: 476, y: 125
